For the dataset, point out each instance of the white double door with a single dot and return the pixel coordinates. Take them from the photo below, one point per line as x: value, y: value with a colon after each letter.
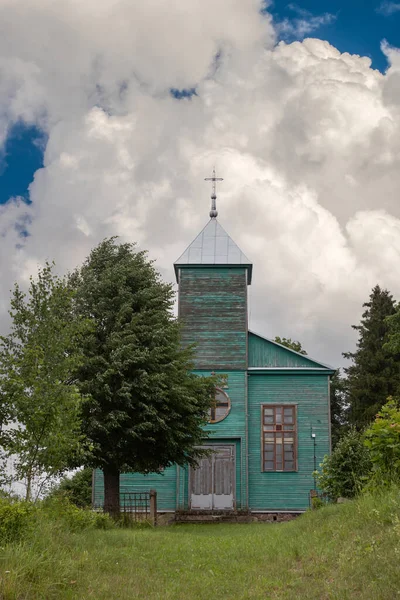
x: 212, y: 482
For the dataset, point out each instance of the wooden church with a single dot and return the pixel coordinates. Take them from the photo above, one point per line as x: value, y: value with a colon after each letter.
x: 270, y: 425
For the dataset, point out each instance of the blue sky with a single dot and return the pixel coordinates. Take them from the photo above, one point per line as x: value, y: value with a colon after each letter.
x: 354, y: 26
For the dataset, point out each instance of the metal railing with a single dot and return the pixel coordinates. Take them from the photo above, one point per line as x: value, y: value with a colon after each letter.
x: 136, y: 507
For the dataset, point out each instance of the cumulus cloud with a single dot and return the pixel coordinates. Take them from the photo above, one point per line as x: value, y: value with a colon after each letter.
x: 306, y: 138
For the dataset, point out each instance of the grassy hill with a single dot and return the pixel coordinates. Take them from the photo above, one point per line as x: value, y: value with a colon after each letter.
x: 344, y: 551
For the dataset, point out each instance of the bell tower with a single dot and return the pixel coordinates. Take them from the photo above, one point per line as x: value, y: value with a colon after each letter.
x: 213, y: 275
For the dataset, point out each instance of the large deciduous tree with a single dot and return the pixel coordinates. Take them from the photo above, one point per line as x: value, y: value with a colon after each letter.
x: 375, y: 372
x: 289, y: 343
x: 145, y: 409
x: 39, y: 397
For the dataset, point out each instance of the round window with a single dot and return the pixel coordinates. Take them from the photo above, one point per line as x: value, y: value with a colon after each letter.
x: 221, y: 406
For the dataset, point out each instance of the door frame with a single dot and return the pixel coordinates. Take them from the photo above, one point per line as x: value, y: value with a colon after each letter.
x: 207, y: 445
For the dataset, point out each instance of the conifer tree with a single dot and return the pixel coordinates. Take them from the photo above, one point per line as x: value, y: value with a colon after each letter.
x: 145, y: 409
x: 375, y: 372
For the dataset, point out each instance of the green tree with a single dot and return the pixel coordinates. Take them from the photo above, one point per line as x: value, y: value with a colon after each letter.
x: 375, y: 372
x: 289, y: 343
x: 145, y: 409
x: 77, y: 488
x: 37, y: 360
x: 338, y: 407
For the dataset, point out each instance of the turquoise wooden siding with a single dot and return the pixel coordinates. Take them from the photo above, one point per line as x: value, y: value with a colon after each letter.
x: 232, y: 429
x: 164, y: 483
x: 263, y: 353
x: 213, y: 310
x: 183, y: 499
x: 288, y: 491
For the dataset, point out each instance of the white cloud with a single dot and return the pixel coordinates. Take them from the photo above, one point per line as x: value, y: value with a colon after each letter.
x: 306, y: 138
x: 388, y: 8
x: 303, y: 24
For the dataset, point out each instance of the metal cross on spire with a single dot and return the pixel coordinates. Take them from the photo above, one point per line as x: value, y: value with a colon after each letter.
x: 214, y: 179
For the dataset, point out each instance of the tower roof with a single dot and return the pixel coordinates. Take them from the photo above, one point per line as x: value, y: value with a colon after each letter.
x: 213, y: 246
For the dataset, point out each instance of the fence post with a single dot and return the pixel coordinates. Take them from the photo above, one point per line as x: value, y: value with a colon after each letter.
x: 153, y: 506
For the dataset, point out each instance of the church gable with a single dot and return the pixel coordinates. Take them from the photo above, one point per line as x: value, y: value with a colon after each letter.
x: 264, y: 353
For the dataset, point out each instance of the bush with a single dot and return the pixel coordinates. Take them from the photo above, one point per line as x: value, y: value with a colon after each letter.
x: 382, y: 439
x: 15, y: 519
x: 344, y: 472
x: 72, y: 518
x: 78, y: 488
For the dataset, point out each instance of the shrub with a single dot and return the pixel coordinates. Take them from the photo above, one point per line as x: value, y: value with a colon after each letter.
x: 15, y: 519
x: 72, y: 518
x: 78, y: 488
x: 344, y: 472
x: 382, y: 439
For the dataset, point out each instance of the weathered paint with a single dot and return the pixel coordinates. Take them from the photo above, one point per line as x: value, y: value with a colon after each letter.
x: 233, y: 427
x: 213, y: 310
x: 266, y: 353
x: 164, y: 483
x: 279, y: 490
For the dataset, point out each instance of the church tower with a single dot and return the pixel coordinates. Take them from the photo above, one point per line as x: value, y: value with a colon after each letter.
x: 213, y: 275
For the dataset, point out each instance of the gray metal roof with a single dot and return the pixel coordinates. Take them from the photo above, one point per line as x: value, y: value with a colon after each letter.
x: 213, y: 246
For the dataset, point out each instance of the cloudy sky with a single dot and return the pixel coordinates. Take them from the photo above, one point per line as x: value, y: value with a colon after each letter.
x: 113, y: 112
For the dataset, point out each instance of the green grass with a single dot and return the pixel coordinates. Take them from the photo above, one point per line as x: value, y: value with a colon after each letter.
x: 344, y: 551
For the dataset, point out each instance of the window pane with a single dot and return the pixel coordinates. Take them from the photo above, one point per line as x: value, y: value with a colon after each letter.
x: 279, y: 431
x: 268, y: 427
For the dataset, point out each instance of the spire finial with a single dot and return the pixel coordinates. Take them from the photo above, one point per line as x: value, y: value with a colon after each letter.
x: 214, y: 179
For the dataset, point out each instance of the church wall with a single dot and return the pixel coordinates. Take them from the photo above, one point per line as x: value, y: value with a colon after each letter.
x: 164, y: 483
x: 213, y: 310
x: 290, y: 490
x: 232, y: 429
x: 263, y: 353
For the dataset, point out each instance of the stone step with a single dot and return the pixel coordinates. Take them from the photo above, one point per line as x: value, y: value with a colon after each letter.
x: 208, y: 518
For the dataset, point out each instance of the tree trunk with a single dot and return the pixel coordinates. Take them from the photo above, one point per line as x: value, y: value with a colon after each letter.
x: 111, y: 491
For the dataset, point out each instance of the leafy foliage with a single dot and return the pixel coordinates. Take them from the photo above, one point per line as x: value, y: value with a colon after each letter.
x: 382, y: 438
x: 15, y: 518
x: 77, y: 489
x: 344, y: 472
x: 375, y: 372
x: 338, y: 408
x: 144, y: 409
x: 37, y: 360
x: 72, y: 518
x: 289, y: 343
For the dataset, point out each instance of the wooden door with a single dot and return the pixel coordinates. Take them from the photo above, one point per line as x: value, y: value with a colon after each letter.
x: 212, y: 482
